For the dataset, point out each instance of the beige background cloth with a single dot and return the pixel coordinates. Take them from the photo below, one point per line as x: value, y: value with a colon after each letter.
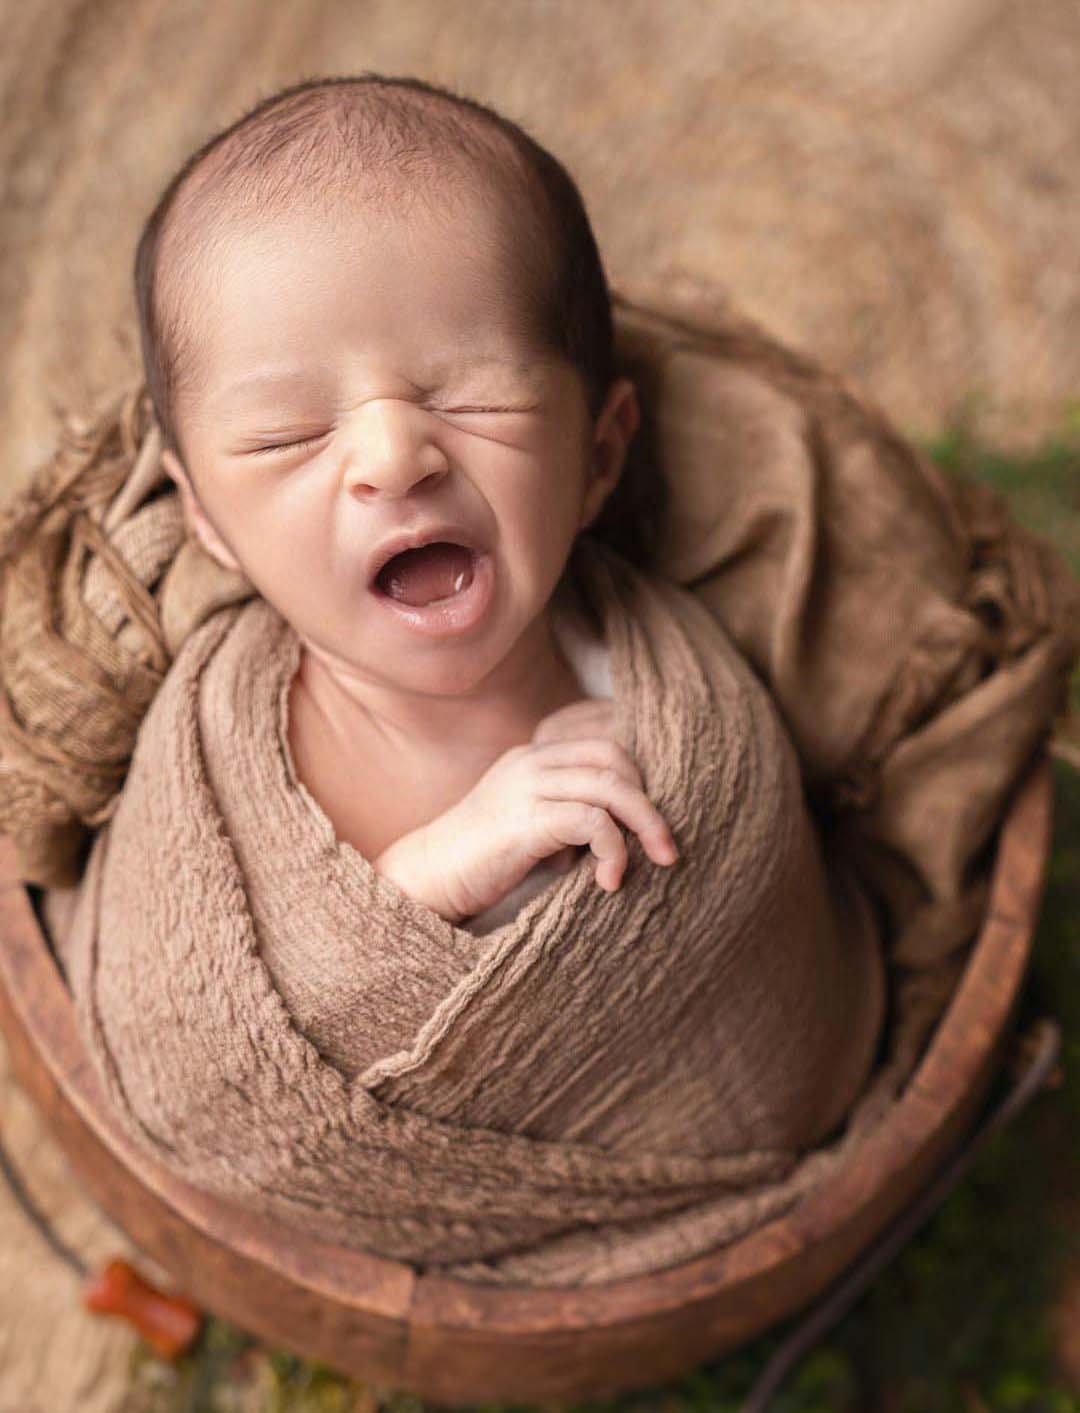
x: 891, y: 184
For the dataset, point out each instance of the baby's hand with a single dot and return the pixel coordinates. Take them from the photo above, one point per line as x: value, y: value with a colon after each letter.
x: 566, y: 788
x: 590, y: 716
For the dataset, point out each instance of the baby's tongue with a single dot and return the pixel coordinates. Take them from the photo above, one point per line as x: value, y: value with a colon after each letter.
x: 419, y: 576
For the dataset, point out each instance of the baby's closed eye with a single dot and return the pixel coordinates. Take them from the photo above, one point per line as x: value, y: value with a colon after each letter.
x: 284, y: 446
x: 269, y: 448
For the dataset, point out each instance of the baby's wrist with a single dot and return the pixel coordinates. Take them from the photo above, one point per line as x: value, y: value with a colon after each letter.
x: 406, y: 863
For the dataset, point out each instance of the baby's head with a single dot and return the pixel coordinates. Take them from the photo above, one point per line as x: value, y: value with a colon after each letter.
x: 371, y: 307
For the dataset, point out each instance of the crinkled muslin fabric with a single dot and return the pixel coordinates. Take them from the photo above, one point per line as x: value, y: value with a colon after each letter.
x: 600, y: 1059
x: 601, y: 1085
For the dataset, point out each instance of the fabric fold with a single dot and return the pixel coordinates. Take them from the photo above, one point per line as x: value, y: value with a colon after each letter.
x: 916, y: 640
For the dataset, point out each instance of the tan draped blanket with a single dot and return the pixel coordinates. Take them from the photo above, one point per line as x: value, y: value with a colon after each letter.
x: 601, y: 1061
x: 609, y: 1083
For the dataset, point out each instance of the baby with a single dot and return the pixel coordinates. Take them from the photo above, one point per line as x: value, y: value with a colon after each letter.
x: 378, y: 338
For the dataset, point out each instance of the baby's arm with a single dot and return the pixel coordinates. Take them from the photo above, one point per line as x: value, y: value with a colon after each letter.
x: 565, y: 788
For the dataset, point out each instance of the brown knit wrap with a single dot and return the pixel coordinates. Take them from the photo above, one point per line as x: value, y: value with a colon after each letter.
x: 599, y: 1064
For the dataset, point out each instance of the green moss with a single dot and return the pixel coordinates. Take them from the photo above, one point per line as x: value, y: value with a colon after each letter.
x: 1043, y: 490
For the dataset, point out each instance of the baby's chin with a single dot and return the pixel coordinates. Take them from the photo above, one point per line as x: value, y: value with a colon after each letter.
x: 458, y: 674
x: 503, y: 654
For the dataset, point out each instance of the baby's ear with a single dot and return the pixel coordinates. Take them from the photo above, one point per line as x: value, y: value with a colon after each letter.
x: 622, y: 410
x: 619, y: 419
x: 195, y: 516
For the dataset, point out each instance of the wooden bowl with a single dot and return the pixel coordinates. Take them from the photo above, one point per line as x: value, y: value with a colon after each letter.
x: 456, y: 1341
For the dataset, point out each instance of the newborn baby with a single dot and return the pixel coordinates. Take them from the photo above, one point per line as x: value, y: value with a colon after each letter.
x: 387, y: 398
x: 378, y: 339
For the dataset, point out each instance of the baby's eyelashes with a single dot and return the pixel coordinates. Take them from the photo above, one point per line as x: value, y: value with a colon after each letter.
x: 283, y: 446
x: 486, y: 409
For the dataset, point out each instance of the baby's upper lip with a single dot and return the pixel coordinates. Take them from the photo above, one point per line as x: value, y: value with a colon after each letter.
x: 415, y: 537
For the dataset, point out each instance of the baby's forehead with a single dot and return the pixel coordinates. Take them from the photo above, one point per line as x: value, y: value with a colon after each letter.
x: 328, y: 234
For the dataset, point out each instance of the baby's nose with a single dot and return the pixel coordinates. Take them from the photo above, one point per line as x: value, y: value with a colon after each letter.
x: 389, y: 447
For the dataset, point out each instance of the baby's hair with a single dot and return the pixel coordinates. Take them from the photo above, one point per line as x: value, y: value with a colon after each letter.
x: 397, y: 140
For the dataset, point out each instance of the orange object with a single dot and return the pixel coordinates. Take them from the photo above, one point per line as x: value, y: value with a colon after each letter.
x: 168, y: 1323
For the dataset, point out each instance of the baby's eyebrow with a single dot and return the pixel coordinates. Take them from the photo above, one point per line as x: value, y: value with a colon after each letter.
x: 260, y: 381
x: 266, y: 379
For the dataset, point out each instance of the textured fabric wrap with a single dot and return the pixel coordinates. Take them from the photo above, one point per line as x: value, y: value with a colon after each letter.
x: 603, y: 1058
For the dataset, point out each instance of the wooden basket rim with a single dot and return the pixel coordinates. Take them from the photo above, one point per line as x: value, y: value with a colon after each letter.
x: 33, y: 992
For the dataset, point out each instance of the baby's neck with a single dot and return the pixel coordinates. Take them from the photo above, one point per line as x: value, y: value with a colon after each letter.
x: 474, y: 727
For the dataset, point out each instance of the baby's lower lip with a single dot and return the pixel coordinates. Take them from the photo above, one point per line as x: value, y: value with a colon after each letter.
x: 447, y: 617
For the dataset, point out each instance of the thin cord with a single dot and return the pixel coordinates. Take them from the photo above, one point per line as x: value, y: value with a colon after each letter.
x: 1044, y: 1038
x: 36, y: 1216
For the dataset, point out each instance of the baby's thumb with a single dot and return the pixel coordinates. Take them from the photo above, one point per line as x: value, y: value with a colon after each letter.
x: 568, y: 722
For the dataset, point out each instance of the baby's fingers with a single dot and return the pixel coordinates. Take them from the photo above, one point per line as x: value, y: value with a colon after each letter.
x: 609, y: 790
x: 597, y: 753
x: 578, y: 823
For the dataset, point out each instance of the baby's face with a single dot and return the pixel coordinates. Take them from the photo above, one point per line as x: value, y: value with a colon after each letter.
x: 362, y: 378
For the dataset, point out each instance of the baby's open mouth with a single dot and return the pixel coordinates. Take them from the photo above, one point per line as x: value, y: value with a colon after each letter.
x: 440, y: 570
